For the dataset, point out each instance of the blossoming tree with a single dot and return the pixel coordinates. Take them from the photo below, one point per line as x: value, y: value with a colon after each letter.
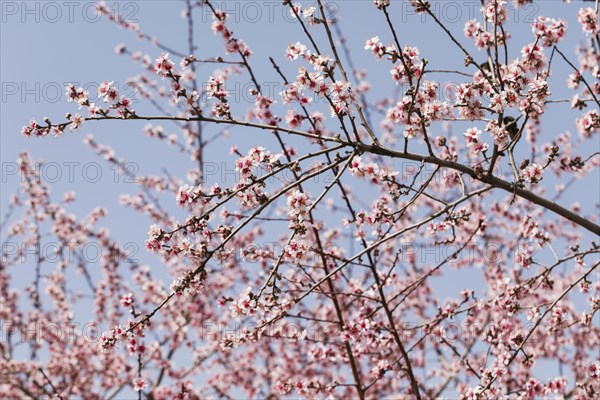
x: 339, y: 306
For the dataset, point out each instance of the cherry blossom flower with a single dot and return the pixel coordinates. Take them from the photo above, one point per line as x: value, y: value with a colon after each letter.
x: 298, y: 203
x: 294, y: 119
x: 191, y: 282
x: 473, y: 141
x: 588, y: 124
x: 163, y: 66
x: 550, y: 30
x: 495, y: 11
x: 295, y: 9
x: 588, y: 18
x: 376, y: 47
x: 139, y: 384
x: 381, y: 3
x: 78, y: 95
x: 481, y: 37
x: 127, y: 300
x: 76, y: 121
x: 380, y: 368
x: 533, y: 173
x: 216, y: 87
x: 107, y: 92
x: 33, y: 129
x: 296, y: 251
x: 295, y: 50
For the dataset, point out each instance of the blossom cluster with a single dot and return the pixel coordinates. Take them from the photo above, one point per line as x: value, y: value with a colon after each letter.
x: 216, y: 89
x: 163, y: 66
x: 533, y: 173
x: 121, y: 334
x: 309, y: 13
x: 378, y: 48
x: 299, y: 204
x: 253, y: 194
x: 588, y: 18
x: 232, y: 44
x: 419, y: 110
x: 410, y: 67
x: 549, y: 30
x: 375, y: 174
x: 474, y: 143
x: 190, y: 282
x: 482, y: 38
x: 106, y: 91
x: 262, y: 110
x: 296, y: 251
x: 339, y: 93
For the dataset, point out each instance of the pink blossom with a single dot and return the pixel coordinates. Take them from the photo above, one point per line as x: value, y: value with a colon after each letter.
x: 533, y: 173
x: 139, y: 384
x: 588, y: 18
x: 163, y: 66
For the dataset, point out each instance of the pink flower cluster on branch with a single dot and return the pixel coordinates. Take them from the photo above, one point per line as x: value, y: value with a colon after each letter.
x: 408, y: 245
